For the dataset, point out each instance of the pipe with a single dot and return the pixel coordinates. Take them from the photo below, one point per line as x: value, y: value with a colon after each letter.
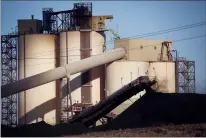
x: 61, y: 72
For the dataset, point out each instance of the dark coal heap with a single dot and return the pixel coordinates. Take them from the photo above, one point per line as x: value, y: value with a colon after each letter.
x: 153, y: 109
x: 156, y: 108
x: 42, y: 129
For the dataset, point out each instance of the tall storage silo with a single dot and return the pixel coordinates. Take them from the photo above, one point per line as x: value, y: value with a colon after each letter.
x: 36, y: 54
x: 85, y: 86
x: 98, y: 73
x: 69, y: 52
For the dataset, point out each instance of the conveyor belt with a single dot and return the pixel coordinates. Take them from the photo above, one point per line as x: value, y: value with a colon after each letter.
x: 94, y: 113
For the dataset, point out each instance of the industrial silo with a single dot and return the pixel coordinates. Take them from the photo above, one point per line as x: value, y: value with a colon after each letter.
x: 119, y: 74
x: 70, y: 41
x: 98, y: 73
x: 165, y: 76
x: 88, y: 86
x: 36, y: 54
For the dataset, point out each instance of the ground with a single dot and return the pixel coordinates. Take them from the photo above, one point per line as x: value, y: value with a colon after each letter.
x: 155, y: 114
x: 171, y: 130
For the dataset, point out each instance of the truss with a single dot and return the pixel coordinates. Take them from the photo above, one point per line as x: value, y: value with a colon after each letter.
x: 80, y: 17
x: 9, y: 75
x: 185, y: 76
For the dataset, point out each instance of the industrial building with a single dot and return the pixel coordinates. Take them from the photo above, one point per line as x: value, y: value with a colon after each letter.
x: 66, y: 37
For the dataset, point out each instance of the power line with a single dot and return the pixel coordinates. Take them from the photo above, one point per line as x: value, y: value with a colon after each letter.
x: 166, y: 31
x: 157, y: 33
x: 131, y: 48
x: 143, y: 35
x: 189, y: 38
x: 179, y: 40
x: 169, y: 30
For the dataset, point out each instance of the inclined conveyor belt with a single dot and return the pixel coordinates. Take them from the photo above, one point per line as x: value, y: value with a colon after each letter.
x: 94, y: 113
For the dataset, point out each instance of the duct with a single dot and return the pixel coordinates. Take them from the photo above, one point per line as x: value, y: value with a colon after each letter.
x: 61, y: 72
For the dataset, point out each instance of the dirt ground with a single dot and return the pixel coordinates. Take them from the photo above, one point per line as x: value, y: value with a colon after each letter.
x: 186, y: 130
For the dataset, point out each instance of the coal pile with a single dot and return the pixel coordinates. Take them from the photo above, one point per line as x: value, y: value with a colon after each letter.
x: 42, y: 129
x: 72, y: 129
x: 171, y: 130
x: 35, y: 129
x: 150, y: 111
x: 156, y: 108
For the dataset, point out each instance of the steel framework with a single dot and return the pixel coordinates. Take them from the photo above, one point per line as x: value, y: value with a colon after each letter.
x: 80, y: 17
x: 185, y: 75
x: 9, y: 74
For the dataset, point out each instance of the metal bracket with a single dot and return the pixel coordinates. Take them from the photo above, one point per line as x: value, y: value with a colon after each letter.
x: 67, y: 72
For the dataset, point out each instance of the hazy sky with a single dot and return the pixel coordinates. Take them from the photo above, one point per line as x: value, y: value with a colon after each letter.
x: 134, y: 18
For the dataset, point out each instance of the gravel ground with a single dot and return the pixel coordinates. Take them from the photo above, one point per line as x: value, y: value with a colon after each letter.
x: 186, y: 130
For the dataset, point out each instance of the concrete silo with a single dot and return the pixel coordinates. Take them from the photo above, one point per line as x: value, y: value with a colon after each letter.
x: 37, y: 54
x: 85, y: 87
x: 120, y: 73
x: 165, y: 76
x: 98, y: 73
x: 145, y: 57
